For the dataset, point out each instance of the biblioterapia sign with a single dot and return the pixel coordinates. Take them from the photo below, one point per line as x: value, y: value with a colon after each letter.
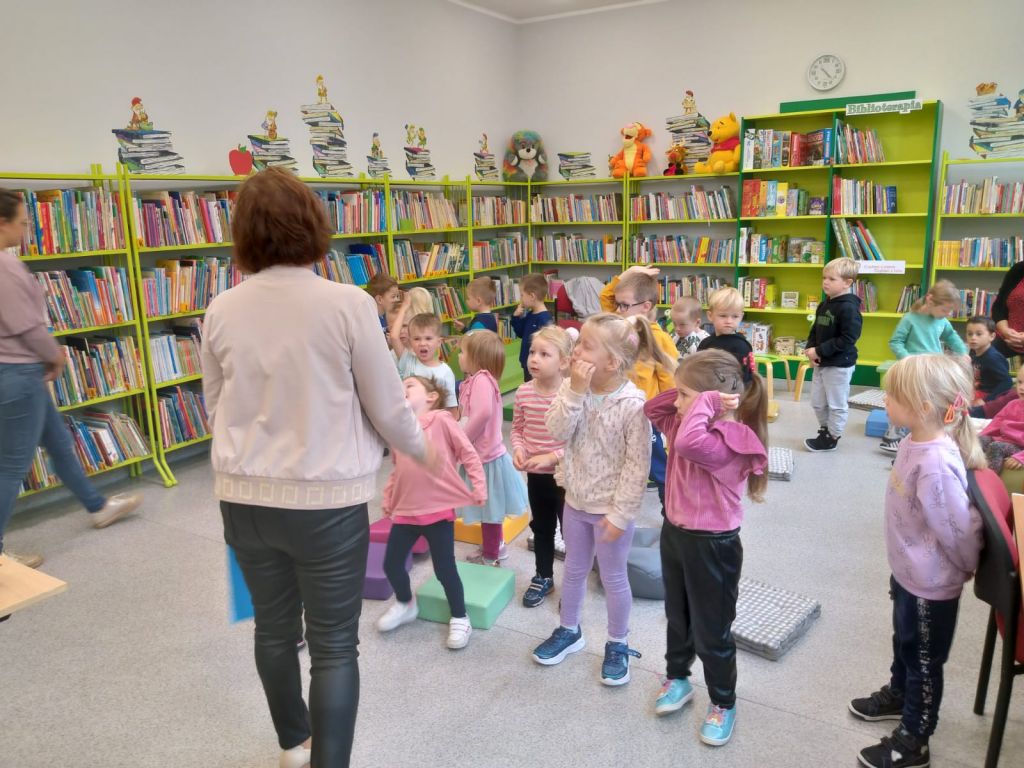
x: 882, y: 107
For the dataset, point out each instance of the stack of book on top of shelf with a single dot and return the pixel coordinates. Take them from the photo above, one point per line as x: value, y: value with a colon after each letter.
x: 270, y: 153
x: 692, y: 131
x: 485, y: 167
x: 575, y: 165
x: 998, y: 128
x: 856, y: 241
x: 72, y: 220
x: 417, y: 163
x: 147, y: 152
x: 327, y: 138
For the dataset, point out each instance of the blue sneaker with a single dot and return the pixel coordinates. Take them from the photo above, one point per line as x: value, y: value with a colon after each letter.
x: 561, y: 643
x: 674, y: 694
x: 615, y: 669
x: 540, y: 588
x: 718, y: 725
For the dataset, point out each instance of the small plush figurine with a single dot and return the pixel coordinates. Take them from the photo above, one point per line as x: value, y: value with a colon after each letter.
x: 689, y: 104
x: 634, y: 155
x: 270, y: 125
x: 321, y: 90
x: 376, y: 152
x: 483, y: 145
x: 675, y: 157
x: 725, y: 152
x: 524, y: 158
x: 410, y: 135
x: 140, y: 120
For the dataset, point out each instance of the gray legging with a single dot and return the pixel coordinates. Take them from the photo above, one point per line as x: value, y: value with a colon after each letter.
x: 312, y: 561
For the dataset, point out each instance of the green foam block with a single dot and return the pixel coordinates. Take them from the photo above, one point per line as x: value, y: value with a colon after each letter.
x: 488, y: 591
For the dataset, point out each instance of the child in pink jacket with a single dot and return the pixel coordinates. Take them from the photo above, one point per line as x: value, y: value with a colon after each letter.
x: 421, y: 502
x: 1003, y: 439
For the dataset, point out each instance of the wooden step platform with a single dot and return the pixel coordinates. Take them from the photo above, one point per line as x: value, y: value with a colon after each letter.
x: 21, y: 587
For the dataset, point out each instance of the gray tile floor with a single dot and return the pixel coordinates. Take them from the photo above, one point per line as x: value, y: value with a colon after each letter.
x: 137, y: 665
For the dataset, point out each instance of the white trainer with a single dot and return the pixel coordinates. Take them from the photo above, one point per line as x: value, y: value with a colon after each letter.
x: 121, y: 505
x: 459, y: 631
x: 559, y: 544
x: 397, y: 615
x: 296, y: 757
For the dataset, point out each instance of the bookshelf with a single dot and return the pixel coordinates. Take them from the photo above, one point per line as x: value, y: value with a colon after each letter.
x: 978, y: 230
x: 78, y: 246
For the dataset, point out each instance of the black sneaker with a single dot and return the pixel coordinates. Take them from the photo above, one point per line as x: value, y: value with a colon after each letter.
x: 885, y: 704
x: 823, y: 442
x: 901, y: 750
x: 539, y: 589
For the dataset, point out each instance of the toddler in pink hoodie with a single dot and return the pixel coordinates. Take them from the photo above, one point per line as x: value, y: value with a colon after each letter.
x: 1003, y: 439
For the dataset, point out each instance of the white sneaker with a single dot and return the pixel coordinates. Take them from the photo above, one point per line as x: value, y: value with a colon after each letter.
x: 459, y: 631
x: 116, y: 507
x: 559, y: 544
x: 503, y: 552
x: 296, y: 757
x: 397, y: 615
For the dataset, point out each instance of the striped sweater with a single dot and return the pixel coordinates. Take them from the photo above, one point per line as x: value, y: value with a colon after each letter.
x: 529, y: 430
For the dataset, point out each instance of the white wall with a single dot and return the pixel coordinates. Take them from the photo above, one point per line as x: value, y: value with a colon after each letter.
x: 585, y: 77
x: 208, y: 69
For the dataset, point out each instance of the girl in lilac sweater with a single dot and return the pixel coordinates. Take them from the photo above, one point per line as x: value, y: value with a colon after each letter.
x: 716, y: 430
x: 933, y: 538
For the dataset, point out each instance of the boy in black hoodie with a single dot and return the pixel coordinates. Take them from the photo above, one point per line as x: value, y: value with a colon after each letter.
x: 832, y: 348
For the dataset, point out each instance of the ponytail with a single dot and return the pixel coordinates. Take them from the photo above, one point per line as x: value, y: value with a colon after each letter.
x: 648, y: 349
x: 753, y: 411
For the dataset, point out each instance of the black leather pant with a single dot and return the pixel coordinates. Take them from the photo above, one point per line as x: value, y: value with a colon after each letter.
x: 312, y: 560
x: 701, y: 571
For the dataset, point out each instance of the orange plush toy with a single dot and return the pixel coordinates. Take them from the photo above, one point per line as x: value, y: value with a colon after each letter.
x: 634, y: 155
x: 676, y: 157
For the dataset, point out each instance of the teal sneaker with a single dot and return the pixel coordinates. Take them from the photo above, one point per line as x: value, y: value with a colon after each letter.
x: 615, y: 669
x: 561, y: 643
x: 673, y: 696
x: 718, y: 725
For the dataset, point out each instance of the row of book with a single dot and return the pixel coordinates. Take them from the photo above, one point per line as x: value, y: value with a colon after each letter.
x: 97, y: 367
x: 492, y: 211
x: 506, y: 290
x: 867, y: 292
x: 72, y: 220
x: 578, y: 249
x: 980, y: 252
x: 975, y: 301
x: 186, y: 217
x: 773, y: 199
x: 862, y: 196
x: 173, y: 286
x: 175, y: 354
x: 987, y: 197
x: 182, y: 414
x: 756, y: 248
x: 416, y: 260
x: 355, y: 211
x: 699, y: 286
x: 855, y: 240
x: 856, y: 146
x: 695, y: 204
x: 86, y: 298
x: 678, y: 249
x: 758, y: 292
x: 448, y: 301
x: 576, y: 208
x: 767, y: 148
x: 362, y: 262
x: 908, y: 297
x: 500, y: 251
x: 101, y: 439
x: 423, y: 210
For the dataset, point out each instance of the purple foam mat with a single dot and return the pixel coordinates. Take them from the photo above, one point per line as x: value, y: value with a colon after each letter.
x: 376, y: 585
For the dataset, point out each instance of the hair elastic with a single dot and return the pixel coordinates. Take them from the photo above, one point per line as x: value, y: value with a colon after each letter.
x: 959, y: 405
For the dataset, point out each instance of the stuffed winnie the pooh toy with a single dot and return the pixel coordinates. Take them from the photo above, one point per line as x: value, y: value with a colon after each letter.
x: 725, y: 152
x: 634, y: 155
x: 524, y: 158
x: 675, y: 156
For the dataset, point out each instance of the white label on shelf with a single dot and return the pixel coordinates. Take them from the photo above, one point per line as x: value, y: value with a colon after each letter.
x: 882, y: 107
x: 882, y: 267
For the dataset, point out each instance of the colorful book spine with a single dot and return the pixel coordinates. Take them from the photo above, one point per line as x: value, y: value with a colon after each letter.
x: 577, y: 208
x: 95, y: 368
x: 86, y: 298
x: 355, y: 211
x: 506, y: 250
x: 176, y: 286
x: 578, y: 249
x: 493, y: 211
x: 72, y: 221
x: 988, y: 197
x: 414, y: 210
x: 182, y: 414
x: 178, y: 218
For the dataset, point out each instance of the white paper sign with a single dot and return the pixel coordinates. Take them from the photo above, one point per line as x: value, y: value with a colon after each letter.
x: 882, y: 267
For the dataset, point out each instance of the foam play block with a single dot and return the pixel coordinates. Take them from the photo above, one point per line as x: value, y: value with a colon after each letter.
x: 381, y: 529
x: 21, y: 586
x: 376, y: 585
x: 877, y: 424
x: 488, y: 591
x: 470, y: 533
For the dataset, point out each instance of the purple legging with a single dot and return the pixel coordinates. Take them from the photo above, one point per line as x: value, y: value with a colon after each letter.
x: 582, y: 539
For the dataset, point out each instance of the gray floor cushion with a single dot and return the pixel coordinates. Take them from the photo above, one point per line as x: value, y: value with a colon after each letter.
x: 868, y: 400
x: 780, y: 463
x: 770, y: 620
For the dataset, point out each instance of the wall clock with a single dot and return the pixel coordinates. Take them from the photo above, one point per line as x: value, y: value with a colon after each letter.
x: 826, y: 72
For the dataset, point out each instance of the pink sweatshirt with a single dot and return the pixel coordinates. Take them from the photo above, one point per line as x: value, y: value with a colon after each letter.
x: 1007, y: 426
x: 709, y: 460
x: 414, y: 490
x: 482, y: 415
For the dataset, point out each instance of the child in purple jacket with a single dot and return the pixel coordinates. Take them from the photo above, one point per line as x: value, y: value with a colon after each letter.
x: 933, y: 538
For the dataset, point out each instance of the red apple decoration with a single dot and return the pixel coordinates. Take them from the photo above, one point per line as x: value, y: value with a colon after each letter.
x: 240, y: 160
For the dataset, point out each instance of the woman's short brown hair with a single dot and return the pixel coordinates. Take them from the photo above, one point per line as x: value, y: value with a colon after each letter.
x: 277, y: 220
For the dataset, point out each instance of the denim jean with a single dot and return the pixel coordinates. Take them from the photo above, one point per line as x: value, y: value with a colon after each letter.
x: 28, y: 418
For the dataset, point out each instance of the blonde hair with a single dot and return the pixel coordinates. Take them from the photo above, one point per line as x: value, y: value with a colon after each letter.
x: 725, y: 299
x: 483, y: 289
x: 648, y: 350
x: 942, y: 293
x: 844, y: 268
x: 486, y: 351
x: 644, y: 287
x: 534, y: 283
x: 714, y: 369
x: 557, y: 337
x: 689, y: 306
x: 420, y: 302
x: 433, y: 387
x: 930, y: 385
x: 618, y: 336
